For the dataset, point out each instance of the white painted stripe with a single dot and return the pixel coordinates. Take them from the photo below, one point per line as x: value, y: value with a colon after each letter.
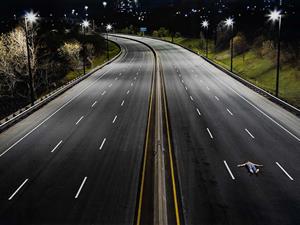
x: 249, y: 133
x: 186, y: 88
x: 182, y: 81
x: 191, y: 98
x: 59, y: 143
x: 254, y: 106
x: 286, y: 173
x: 115, y: 119
x: 127, y: 92
x: 94, y: 104
x: 116, y: 78
x: 209, y: 133
x: 103, y: 93
x: 110, y: 85
x: 229, y: 112
x: 122, y: 102
x: 198, y: 111
x: 102, y: 144
x: 134, y: 78
x: 131, y: 84
x: 120, y: 74
x: 80, y: 188
x: 229, y: 171
x: 217, y: 98
x: 45, y: 120
x: 79, y: 120
x: 19, y: 188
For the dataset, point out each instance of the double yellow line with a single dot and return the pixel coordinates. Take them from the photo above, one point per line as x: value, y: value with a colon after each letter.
x: 170, y: 151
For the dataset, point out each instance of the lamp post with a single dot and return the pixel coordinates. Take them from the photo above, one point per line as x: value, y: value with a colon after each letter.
x: 104, y: 4
x: 275, y: 16
x: 204, y: 25
x: 108, y: 28
x: 85, y: 25
x: 30, y: 18
x: 229, y: 24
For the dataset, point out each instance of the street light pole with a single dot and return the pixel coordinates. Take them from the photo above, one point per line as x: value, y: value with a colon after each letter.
x: 107, y: 46
x: 29, y: 17
x: 205, y: 26
x: 84, y: 49
x: 32, y: 99
x: 108, y: 28
x: 229, y: 23
x: 278, y: 57
x: 85, y: 25
x: 274, y: 16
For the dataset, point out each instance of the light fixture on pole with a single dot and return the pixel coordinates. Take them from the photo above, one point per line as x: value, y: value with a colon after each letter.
x: 104, y: 4
x: 205, y: 25
x: 275, y: 16
x: 85, y: 25
x: 229, y: 24
x: 108, y: 28
x: 30, y: 18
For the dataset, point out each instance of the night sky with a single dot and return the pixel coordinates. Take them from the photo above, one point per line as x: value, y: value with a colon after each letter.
x: 59, y: 6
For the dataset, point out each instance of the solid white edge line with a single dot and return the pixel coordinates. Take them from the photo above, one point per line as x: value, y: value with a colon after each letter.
x: 211, y: 136
x: 59, y: 143
x: 229, y: 171
x: 254, y: 106
x: 102, y: 144
x: 16, y: 191
x: 249, y: 133
x: 115, y: 119
x: 79, y: 120
x: 81, y: 186
x: 45, y: 120
x: 122, y: 102
x: 198, y: 111
x: 191, y: 98
x: 286, y: 173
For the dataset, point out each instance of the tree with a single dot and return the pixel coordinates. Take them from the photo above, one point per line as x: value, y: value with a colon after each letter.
x: 240, y: 45
x: 13, y: 58
x: 70, y: 51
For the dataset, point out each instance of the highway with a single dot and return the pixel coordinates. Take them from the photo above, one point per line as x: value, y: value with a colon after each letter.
x: 218, y: 123
x: 77, y: 160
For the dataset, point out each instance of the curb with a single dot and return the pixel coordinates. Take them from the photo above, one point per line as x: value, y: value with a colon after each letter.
x: 28, y: 110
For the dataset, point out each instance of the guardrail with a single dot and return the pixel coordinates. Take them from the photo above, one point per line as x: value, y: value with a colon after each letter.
x: 26, y: 111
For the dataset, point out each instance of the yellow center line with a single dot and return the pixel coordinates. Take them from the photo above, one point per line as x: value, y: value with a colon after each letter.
x: 138, y: 221
x: 171, y: 159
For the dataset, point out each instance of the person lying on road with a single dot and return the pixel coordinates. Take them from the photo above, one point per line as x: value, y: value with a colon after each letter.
x: 251, y: 167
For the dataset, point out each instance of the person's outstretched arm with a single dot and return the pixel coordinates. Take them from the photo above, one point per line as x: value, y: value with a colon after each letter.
x: 240, y: 165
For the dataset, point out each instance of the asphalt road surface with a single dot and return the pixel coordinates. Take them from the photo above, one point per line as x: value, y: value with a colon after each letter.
x: 78, y: 159
x: 217, y: 123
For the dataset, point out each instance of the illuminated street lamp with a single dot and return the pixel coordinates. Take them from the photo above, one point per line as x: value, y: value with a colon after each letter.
x: 104, y: 4
x: 275, y: 16
x: 108, y: 28
x: 229, y: 24
x: 85, y: 26
x: 205, y: 25
x: 30, y: 18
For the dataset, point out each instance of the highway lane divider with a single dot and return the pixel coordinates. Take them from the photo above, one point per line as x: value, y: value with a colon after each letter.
x: 257, y: 89
x: 28, y: 110
x: 157, y: 201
